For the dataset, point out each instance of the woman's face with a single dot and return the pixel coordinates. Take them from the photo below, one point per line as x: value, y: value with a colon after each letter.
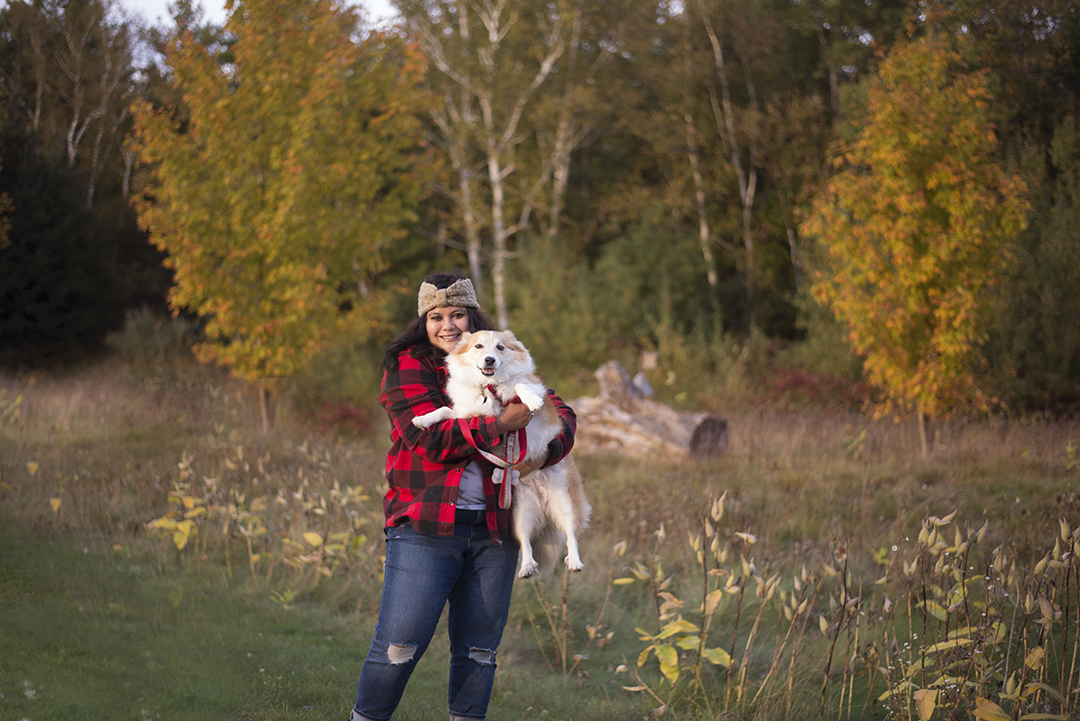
x: 445, y: 326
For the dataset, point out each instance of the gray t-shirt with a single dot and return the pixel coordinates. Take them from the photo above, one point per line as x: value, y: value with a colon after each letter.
x: 471, y: 489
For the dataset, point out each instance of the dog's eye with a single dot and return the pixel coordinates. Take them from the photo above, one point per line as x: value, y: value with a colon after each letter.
x: 479, y: 345
x: 500, y: 347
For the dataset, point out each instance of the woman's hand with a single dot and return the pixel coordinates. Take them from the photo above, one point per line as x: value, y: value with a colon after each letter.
x: 515, y: 417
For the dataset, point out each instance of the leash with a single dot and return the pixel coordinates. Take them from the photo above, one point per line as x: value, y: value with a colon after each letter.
x: 516, y: 447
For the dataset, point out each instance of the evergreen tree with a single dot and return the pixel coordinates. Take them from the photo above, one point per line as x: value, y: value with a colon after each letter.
x: 58, y: 294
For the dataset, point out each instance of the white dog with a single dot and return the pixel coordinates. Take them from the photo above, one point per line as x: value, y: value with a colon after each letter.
x: 487, y: 370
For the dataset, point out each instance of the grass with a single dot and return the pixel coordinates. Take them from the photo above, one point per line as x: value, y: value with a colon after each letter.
x: 841, y: 595
x: 93, y: 635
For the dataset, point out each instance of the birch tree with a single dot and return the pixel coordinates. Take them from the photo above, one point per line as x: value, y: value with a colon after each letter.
x: 489, y: 59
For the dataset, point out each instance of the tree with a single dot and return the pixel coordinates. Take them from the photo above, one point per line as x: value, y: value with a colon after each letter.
x: 489, y: 60
x: 70, y: 74
x: 5, y: 216
x: 1034, y: 345
x: 278, y: 197
x: 914, y: 225
x: 58, y: 292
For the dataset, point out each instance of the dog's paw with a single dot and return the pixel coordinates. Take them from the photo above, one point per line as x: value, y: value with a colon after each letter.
x: 429, y: 419
x: 529, y: 569
x: 575, y: 564
x: 530, y: 398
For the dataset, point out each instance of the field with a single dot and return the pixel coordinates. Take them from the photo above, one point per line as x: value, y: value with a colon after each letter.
x: 161, y: 556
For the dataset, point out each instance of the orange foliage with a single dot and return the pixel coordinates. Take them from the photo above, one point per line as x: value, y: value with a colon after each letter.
x: 915, y: 224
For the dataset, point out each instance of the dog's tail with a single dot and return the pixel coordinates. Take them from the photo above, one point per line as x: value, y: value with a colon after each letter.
x: 547, y: 550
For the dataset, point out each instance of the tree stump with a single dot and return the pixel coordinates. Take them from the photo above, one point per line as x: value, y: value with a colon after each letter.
x: 624, y: 420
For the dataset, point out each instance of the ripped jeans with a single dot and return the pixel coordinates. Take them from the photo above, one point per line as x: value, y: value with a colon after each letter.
x: 423, y: 572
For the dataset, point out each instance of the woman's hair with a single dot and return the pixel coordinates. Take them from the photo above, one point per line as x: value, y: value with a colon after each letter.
x: 415, y: 337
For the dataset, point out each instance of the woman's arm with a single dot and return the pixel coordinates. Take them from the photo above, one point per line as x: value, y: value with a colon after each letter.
x: 414, y: 389
x: 561, y: 445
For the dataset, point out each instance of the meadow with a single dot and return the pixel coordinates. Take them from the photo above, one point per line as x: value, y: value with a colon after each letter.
x: 162, y: 556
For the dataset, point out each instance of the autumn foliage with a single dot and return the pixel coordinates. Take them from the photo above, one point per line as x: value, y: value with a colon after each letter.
x: 914, y: 227
x: 280, y: 183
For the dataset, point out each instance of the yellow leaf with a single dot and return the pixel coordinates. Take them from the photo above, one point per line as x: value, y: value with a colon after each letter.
x: 937, y: 611
x: 313, y: 538
x: 1031, y: 688
x: 622, y: 581
x: 925, y: 701
x: 1035, y: 658
x: 712, y: 601
x: 182, y: 534
x: 900, y: 688
x: 945, y: 645
x: 988, y: 710
x: 643, y: 656
x: 55, y: 503
x: 669, y: 662
x: 717, y: 656
x: 689, y: 643
x: 680, y: 626
x: 32, y: 466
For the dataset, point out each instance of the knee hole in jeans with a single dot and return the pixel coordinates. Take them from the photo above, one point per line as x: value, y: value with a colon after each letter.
x: 483, y: 656
x: 400, y: 653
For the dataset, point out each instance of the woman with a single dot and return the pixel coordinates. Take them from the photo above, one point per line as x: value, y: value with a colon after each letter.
x: 447, y: 539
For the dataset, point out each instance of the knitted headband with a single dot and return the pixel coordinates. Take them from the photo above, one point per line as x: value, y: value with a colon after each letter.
x: 460, y: 293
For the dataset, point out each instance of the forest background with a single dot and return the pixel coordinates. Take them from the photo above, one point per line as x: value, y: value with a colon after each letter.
x: 796, y: 215
x: 617, y: 177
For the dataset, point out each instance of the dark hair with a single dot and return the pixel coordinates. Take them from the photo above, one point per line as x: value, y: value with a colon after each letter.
x: 415, y: 338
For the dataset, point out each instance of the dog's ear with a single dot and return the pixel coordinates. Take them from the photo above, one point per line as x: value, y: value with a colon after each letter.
x: 511, y: 342
x: 464, y: 343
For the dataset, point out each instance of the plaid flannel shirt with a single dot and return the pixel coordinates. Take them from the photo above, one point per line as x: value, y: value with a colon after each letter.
x: 424, y: 467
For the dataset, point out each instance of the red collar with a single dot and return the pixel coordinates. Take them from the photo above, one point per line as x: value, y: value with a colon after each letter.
x: 495, y: 394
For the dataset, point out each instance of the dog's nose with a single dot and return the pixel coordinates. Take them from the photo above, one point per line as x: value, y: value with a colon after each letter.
x: 489, y: 361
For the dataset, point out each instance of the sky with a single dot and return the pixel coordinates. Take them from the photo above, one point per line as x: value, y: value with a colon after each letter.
x: 156, y: 12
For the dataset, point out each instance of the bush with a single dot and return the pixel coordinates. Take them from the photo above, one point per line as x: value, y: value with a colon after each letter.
x: 150, y: 340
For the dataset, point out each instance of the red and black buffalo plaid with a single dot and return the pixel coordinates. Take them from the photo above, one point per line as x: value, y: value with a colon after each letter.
x: 424, y: 467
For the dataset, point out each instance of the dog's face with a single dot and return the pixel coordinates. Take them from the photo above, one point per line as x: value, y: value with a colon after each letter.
x: 491, y: 355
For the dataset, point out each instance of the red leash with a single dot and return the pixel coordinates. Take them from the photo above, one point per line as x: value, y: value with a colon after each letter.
x: 503, y: 466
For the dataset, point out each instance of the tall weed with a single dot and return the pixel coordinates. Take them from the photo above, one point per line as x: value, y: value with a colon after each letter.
x: 810, y: 572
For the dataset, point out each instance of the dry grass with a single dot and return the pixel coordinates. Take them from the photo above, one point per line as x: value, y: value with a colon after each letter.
x: 832, y: 500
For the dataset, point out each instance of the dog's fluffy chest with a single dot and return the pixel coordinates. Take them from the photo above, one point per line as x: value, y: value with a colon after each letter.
x: 469, y: 399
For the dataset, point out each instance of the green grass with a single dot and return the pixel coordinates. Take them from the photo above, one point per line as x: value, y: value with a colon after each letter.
x: 132, y: 628
x: 95, y: 635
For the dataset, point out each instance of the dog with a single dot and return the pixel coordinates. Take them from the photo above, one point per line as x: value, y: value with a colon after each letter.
x: 487, y: 370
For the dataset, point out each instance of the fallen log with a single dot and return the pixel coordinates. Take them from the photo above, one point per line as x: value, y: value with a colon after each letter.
x: 624, y: 420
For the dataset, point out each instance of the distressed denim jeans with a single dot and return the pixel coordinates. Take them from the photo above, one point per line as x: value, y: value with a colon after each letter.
x: 423, y: 572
